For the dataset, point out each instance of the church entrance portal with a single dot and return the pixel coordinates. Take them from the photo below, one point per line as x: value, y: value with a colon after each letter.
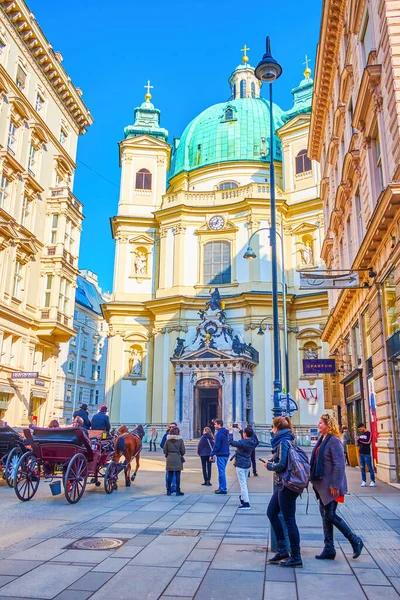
x: 207, y: 404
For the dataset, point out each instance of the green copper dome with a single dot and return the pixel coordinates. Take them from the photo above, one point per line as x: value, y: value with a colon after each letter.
x: 237, y: 130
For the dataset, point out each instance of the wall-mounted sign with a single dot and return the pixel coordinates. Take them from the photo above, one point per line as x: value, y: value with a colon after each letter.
x: 329, y: 280
x: 319, y: 365
x: 25, y: 375
x: 40, y: 382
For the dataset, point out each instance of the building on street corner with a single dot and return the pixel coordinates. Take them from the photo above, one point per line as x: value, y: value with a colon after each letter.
x: 42, y: 115
x: 190, y: 321
x: 82, y: 361
x: 355, y: 136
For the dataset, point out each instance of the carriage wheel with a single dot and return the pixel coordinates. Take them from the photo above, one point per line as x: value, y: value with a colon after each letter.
x: 75, y: 478
x: 26, y: 477
x: 111, y: 478
x: 11, y: 466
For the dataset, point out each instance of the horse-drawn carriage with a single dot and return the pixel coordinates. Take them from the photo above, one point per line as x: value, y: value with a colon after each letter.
x: 68, y: 455
x: 12, y: 446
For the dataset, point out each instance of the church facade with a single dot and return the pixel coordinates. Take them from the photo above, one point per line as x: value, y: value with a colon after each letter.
x: 190, y: 320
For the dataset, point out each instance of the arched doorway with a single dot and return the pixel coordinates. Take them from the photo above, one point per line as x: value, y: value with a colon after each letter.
x: 207, y: 404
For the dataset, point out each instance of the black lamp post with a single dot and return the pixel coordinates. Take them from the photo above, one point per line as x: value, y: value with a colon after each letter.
x: 267, y: 71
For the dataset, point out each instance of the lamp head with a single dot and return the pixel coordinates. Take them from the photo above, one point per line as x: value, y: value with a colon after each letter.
x: 260, y: 331
x: 249, y: 254
x: 268, y: 69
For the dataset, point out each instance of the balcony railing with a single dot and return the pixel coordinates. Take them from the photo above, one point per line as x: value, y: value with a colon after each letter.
x: 252, y: 190
x: 58, y: 251
x: 65, y: 192
x: 52, y: 314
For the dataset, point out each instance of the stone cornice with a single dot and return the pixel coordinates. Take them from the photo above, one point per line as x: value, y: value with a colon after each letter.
x: 328, y: 48
x: 24, y: 27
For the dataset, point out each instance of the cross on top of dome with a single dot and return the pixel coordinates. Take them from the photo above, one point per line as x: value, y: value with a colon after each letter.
x: 245, y: 58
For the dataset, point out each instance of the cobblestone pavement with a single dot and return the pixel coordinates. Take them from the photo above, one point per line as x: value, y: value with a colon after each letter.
x: 221, y: 554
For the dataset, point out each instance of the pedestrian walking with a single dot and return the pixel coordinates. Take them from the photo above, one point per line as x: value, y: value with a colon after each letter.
x: 364, y: 448
x: 253, y: 454
x: 221, y: 451
x: 328, y: 477
x: 346, y: 439
x: 204, y: 449
x: 283, y: 499
x: 242, y: 461
x: 162, y: 444
x: 82, y: 412
x: 153, y: 439
x: 174, y: 450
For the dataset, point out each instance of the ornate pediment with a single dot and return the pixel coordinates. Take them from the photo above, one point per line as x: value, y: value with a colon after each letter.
x: 304, y: 228
x: 142, y: 239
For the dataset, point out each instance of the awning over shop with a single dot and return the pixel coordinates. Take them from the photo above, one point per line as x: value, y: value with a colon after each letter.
x: 39, y: 393
x: 6, y: 389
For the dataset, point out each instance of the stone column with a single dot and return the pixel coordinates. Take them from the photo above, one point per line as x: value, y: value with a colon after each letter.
x: 239, y: 397
x: 227, y: 398
x: 162, y: 257
x: 179, y: 254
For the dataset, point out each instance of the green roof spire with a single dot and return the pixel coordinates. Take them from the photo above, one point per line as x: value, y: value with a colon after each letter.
x: 147, y: 120
x: 302, y: 95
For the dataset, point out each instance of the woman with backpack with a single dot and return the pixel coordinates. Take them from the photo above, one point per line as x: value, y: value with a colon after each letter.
x: 283, y: 499
x: 204, y: 450
x: 328, y: 477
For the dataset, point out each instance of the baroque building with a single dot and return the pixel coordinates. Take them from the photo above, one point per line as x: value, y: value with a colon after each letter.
x: 82, y: 361
x: 186, y: 307
x: 41, y: 117
x: 356, y: 137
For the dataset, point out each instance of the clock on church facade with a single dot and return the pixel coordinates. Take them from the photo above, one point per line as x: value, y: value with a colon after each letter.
x: 194, y: 311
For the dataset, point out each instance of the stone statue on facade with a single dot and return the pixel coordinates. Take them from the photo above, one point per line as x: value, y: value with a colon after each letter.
x: 307, y: 255
x: 238, y: 347
x: 311, y: 354
x: 140, y: 263
x: 179, y: 348
x: 214, y: 302
x: 135, y: 363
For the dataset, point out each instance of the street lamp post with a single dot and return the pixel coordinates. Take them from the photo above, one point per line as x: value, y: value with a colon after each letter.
x: 267, y: 71
x: 249, y: 255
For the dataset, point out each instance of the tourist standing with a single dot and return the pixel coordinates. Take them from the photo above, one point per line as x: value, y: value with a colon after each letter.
x: 283, y: 499
x: 253, y: 454
x: 328, y: 477
x: 221, y: 451
x: 153, y: 439
x: 174, y: 450
x: 346, y: 439
x: 244, y: 448
x: 204, y: 449
x: 82, y: 412
x: 364, y: 448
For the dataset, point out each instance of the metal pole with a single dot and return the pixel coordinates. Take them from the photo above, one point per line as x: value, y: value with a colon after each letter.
x: 276, y: 411
x: 77, y: 367
x: 285, y: 331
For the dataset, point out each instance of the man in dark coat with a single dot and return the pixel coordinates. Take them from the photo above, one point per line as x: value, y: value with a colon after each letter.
x: 100, y: 421
x: 82, y: 412
x: 221, y: 451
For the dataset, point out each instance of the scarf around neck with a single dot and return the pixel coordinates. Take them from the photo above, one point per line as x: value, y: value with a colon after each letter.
x: 282, y: 434
x: 317, y: 458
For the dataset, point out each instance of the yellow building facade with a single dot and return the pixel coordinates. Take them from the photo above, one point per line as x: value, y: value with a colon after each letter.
x: 41, y: 118
x: 186, y: 308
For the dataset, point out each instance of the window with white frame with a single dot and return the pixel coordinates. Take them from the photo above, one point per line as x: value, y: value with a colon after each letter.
x: 93, y: 375
x: 4, y: 193
x: 63, y: 298
x: 39, y: 104
x: 80, y: 395
x: 91, y: 396
x: 67, y: 235
x: 18, y: 278
x: 71, y: 364
x: 98, y: 372
x: 20, y: 79
x: 32, y: 159
x: 68, y: 393
x: 12, y: 137
x: 47, y: 291
x: 359, y: 217
x: 84, y: 343
x: 26, y: 212
x: 97, y: 397
x: 54, y: 228
x: 366, y: 36
x: 83, y: 367
x: 378, y: 161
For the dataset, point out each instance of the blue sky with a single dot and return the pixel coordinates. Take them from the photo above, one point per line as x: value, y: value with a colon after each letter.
x: 187, y: 50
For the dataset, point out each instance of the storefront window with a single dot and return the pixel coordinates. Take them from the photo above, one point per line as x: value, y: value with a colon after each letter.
x: 367, y: 334
x: 390, y: 311
x: 357, y: 343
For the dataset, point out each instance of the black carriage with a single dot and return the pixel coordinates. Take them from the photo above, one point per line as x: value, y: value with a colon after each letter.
x: 12, y: 447
x: 67, y: 455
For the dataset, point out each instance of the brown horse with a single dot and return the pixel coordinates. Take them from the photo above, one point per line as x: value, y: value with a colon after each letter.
x: 129, y: 445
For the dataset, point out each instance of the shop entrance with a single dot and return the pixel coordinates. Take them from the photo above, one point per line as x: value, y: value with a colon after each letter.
x: 36, y: 411
x: 208, y: 404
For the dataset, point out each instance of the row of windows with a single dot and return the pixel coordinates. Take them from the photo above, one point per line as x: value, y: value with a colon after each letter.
x: 94, y: 395
x: 96, y: 369
x: 242, y: 89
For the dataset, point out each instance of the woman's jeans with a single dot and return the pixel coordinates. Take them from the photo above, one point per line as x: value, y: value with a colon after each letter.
x: 177, y: 479
x: 366, y: 460
x: 242, y: 475
x: 284, y: 501
x: 206, y: 466
x: 153, y: 443
x: 331, y: 519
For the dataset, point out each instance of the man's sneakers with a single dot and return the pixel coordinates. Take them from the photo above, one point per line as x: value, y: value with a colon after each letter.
x: 244, y: 506
x: 220, y: 492
x: 372, y: 484
x: 364, y: 484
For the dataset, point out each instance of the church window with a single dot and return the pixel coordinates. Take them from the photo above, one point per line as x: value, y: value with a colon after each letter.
x: 303, y: 163
x: 143, y: 180
x: 253, y: 89
x: 243, y: 88
x: 217, y: 262
x: 227, y: 185
x: 229, y: 114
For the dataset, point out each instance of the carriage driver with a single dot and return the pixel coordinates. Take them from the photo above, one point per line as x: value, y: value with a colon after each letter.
x: 101, y: 421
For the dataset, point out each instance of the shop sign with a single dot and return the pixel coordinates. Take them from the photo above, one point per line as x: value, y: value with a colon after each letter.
x: 329, y: 280
x: 319, y: 365
x: 25, y: 375
x: 313, y: 436
x: 40, y: 382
